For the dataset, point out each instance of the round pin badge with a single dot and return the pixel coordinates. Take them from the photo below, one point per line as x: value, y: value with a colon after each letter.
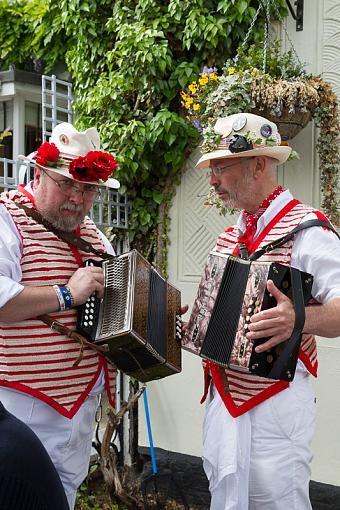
x: 239, y: 123
x: 266, y: 130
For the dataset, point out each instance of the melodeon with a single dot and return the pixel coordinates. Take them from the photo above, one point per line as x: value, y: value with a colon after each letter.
x: 138, y: 318
x: 230, y: 292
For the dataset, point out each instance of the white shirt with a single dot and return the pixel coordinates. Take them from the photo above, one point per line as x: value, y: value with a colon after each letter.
x: 10, y: 255
x: 315, y: 251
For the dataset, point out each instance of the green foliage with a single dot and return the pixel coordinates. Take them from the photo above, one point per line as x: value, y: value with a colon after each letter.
x: 128, y: 60
x: 279, y: 64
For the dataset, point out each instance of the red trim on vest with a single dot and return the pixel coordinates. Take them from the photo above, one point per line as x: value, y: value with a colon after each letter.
x: 307, y: 362
x: 108, y: 383
x: 49, y: 401
x: 254, y: 401
x: 27, y: 194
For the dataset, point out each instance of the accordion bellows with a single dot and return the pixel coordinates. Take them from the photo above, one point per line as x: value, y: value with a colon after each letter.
x: 230, y: 292
x: 138, y: 318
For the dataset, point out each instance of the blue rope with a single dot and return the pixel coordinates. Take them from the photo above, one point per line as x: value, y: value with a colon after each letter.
x: 152, y: 450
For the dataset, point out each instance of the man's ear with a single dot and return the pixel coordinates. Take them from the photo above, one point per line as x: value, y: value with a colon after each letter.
x: 259, y: 166
x: 37, y: 177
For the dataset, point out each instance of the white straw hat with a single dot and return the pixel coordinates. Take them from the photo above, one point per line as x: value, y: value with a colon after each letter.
x: 237, y: 130
x: 76, y: 155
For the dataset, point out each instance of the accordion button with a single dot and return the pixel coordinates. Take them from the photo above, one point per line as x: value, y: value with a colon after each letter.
x: 91, y: 316
x: 85, y: 323
x: 90, y: 323
x: 245, y: 326
x: 249, y: 310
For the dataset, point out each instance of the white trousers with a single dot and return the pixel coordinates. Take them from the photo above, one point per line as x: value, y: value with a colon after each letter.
x: 68, y: 441
x: 261, y: 460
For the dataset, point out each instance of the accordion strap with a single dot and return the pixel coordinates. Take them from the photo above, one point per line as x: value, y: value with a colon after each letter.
x: 292, y: 347
x: 282, y: 240
x: 69, y: 237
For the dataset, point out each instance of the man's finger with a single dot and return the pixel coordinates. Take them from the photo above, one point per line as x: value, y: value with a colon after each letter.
x: 275, y: 292
x: 184, y: 309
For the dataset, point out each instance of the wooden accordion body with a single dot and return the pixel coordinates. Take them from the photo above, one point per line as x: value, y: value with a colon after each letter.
x: 138, y: 318
x: 230, y: 292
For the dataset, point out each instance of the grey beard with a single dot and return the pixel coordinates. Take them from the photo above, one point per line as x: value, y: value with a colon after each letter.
x: 65, y: 223
x: 68, y: 224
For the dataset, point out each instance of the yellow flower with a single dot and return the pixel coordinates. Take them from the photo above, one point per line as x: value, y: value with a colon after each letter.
x: 184, y: 95
x: 196, y: 107
x: 203, y: 80
x: 193, y: 87
x: 231, y: 70
x: 214, y: 77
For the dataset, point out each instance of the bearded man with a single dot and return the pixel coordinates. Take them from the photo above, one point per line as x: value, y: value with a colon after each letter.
x: 258, y: 431
x: 41, y: 381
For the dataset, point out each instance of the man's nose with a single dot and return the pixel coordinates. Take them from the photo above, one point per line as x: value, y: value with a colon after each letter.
x: 213, y: 179
x: 77, y: 196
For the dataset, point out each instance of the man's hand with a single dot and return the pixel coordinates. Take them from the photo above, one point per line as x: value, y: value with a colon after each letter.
x: 85, y: 282
x: 184, y: 310
x: 276, y: 323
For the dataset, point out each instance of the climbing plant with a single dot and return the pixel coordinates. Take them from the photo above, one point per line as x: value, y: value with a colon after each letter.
x: 128, y: 59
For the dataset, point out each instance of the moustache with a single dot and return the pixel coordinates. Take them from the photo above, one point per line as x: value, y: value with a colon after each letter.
x: 71, y: 207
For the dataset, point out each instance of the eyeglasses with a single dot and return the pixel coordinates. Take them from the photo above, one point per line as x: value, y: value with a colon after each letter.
x: 216, y: 171
x: 68, y: 189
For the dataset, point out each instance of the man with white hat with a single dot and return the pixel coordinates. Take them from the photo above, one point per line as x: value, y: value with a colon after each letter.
x: 257, y: 432
x: 42, y: 381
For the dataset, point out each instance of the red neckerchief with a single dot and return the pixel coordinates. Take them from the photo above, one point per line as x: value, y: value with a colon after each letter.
x: 252, y: 219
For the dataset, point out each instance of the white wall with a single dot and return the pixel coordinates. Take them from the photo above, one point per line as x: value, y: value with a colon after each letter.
x: 176, y: 414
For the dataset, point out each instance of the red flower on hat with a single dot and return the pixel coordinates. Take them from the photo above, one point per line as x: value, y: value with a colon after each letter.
x: 95, y: 166
x: 47, y: 154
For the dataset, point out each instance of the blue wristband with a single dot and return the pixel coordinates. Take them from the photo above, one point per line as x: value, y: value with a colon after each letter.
x: 67, y: 296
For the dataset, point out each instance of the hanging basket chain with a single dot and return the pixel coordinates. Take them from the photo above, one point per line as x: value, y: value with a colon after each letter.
x: 265, y: 5
x: 251, y: 26
x: 286, y: 32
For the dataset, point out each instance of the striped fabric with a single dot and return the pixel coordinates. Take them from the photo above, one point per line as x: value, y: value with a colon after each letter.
x: 239, y: 391
x: 33, y: 358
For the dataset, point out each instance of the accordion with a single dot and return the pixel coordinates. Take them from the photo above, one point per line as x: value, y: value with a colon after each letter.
x: 138, y: 318
x: 230, y: 292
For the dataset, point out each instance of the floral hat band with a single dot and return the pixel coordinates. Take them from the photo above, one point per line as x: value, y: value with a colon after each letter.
x: 76, y: 155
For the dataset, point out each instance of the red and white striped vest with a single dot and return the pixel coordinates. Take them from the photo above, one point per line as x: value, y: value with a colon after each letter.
x: 241, y: 392
x: 33, y: 358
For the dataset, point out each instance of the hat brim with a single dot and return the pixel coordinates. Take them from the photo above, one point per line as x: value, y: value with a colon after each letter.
x: 281, y: 153
x: 110, y: 183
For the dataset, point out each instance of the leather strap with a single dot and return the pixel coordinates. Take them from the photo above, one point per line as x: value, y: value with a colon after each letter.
x: 65, y: 330
x: 293, y: 345
x: 69, y: 237
x: 282, y: 240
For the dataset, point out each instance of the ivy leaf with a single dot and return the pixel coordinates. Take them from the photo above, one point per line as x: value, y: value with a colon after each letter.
x: 157, y: 197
